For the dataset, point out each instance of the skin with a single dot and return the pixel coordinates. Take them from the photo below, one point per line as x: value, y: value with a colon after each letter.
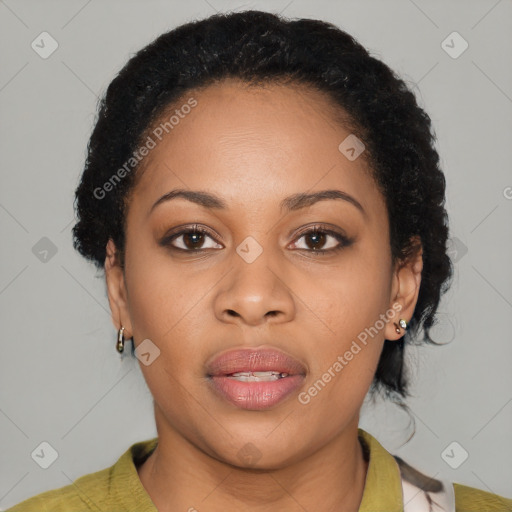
x: 253, y: 147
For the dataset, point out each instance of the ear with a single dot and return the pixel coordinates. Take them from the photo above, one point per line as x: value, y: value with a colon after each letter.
x: 116, y: 287
x: 405, y: 289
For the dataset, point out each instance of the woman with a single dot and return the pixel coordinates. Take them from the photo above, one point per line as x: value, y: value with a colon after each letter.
x: 266, y: 201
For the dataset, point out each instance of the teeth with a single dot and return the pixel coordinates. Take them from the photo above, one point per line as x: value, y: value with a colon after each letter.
x: 257, y: 376
x: 253, y: 378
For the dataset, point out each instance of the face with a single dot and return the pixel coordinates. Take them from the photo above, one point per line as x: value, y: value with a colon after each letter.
x: 245, y: 270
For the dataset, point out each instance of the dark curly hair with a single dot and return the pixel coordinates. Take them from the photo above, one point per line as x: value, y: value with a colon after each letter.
x: 261, y: 48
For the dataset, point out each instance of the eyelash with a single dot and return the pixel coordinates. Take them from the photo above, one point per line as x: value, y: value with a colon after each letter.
x: 342, y: 239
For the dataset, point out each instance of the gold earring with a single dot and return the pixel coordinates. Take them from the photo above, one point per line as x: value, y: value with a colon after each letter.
x: 120, y: 340
x: 403, y: 325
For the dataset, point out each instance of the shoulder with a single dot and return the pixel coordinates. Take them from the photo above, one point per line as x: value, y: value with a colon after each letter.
x: 113, y: 489
x: 83, y: 495
x: 470, y: 499
x: 467, y: 499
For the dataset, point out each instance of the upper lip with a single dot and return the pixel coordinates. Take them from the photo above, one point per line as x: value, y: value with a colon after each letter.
x: 254, y: 360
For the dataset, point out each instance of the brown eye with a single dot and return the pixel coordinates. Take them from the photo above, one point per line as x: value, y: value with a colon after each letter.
x: 193, y: 239
x: 315, y: 240
x: 190, y: 240
x: 319, y: 240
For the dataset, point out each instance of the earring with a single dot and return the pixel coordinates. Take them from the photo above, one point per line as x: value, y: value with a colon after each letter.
x: 403, y: 325
x: 120, y: 340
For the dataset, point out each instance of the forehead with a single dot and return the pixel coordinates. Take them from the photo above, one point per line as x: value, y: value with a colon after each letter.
x: 250, y: 144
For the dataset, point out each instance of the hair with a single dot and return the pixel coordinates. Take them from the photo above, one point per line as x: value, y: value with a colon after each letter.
x: 261, y: 48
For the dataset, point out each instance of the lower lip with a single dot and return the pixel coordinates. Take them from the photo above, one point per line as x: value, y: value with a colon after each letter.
x: 255, y: 396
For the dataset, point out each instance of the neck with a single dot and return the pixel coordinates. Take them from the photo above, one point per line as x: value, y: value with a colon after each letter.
x: 180, y: 476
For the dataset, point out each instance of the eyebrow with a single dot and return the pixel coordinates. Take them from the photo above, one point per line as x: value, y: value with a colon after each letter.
x: 290, y: 203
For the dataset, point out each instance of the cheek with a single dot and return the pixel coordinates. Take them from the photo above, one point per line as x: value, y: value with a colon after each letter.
x: 351, y: 345
x: 162, y: 310
x: 343, y: 362
x: 351, y: 306
x: 351, y: 296
x: 161, y: 301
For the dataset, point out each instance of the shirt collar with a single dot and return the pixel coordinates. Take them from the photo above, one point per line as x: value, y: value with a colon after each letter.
x: 383, y: 486
x: 126, y: 485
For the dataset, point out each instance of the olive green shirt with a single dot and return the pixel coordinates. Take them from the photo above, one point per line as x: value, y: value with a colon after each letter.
x: 119, y: 489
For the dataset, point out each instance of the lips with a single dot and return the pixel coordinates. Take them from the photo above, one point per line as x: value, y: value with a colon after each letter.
x: 254, y: 360
x: 255, y: 379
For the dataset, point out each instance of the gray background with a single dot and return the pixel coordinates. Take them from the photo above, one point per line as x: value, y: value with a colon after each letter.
x: 61, y: 380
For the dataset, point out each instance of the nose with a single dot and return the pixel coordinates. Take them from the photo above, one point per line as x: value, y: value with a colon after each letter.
x: 255, y: 293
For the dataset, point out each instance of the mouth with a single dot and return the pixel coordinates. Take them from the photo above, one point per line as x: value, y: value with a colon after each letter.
x: 255, y: 379
x: 257, y: 376
x: 260, y: 363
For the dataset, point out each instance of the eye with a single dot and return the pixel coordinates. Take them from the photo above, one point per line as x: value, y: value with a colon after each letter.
x: 190, y: 240
x: 316, y: 240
